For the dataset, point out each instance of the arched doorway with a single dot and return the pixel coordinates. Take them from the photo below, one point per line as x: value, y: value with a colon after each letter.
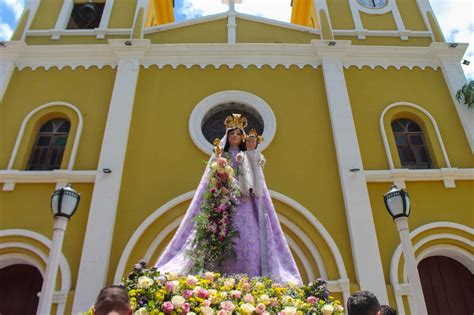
x: 19, y: 287
x: 448, y: 286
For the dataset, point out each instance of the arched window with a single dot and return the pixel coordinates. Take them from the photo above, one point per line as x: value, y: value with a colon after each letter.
x: 48, y: 148
x: 411, y: 144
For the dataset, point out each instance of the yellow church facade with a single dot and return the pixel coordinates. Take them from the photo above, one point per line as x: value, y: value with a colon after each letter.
x: 351, y: 98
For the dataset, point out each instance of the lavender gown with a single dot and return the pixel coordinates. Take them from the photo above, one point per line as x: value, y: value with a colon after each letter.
x: 281, y: 264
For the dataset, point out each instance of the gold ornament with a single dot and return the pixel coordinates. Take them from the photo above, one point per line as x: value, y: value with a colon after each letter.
x: 217, y: 147
x: 235, y: 121
x: 253, y: 133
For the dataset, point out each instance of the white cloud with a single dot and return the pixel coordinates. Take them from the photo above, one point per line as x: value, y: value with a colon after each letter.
x: 273, y: 9
x: 455, y: 17
x: 5, y: 32
x: 16, y: 6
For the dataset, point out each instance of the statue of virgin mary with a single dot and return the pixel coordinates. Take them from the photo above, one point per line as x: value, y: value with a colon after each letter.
x: 244, y: 235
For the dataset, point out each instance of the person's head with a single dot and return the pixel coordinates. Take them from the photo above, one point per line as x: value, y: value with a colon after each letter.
x: 251, y: 142
x: 234, y: 139
x: 363, y: 303
x: 112, y: 300
x: 387, y: 310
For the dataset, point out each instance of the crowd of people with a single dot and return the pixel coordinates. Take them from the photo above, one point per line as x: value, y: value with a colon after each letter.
x: 114, y: 300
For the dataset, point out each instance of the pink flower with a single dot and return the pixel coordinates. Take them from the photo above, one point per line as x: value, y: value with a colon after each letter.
x: 235, y: 294
x: 221, y: 208
x: 222, y: 312
x: 206, y: 303
x: 202, y: 293
x: 246, y: 287
x: 227, y: 306
x: 186, y: 307
x: 168, y: 307
x: 209, y: 276
x: 171, y: 286
x: 312, y: 299
x: 248, y: 298
x: 187, y: 294
x: 192, y: 280
x: 260, y: 308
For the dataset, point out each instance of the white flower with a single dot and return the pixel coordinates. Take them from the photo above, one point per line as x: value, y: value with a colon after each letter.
x: 206, y: 310
x: 259, y: 285
x: 289, y: 310
x: 144, y: 282
x: 264, y: 298
x: 287, y: 300
x: 292, y: 284
x: 173, y: 276
x: 191, y: 313
x: 247, y: 308
x: 141, y: 311
x: 229, y: 170
x: 327, y: 309
x: 178, y: 301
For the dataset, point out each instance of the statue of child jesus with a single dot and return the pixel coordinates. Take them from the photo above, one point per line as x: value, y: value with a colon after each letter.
x: 251, y: 164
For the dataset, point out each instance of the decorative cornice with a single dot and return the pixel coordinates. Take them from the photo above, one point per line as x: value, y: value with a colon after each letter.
x: 242, y: 54
x: 11, y: 177
x: 400, y: 176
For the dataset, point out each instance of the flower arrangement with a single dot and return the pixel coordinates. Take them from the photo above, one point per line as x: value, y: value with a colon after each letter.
x: 214, y: 229
x: 154, y: 293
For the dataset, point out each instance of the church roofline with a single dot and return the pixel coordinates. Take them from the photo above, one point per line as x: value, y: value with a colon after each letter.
x: 223, y: 15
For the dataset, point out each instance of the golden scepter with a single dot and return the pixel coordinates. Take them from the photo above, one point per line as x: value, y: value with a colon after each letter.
x: 217, y: 147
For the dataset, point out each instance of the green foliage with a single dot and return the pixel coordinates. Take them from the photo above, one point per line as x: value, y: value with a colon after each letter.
x: 466, y: 94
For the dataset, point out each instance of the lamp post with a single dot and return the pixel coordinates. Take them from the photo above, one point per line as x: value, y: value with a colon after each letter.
x: 64, y: 202
x: 397, y: 202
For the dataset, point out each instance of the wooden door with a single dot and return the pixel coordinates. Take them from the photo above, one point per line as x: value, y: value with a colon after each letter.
x: 448, y: 286
x: 19, y: 287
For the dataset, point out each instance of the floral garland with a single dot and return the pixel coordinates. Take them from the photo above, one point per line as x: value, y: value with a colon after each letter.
x: 153, y: 293
x: 214, y: 230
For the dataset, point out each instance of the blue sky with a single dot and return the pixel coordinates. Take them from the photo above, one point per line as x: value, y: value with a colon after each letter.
x: 455, y: 16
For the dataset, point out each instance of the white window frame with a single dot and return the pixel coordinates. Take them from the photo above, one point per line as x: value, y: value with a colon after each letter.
x: 65, y: 15
x: 202, y: 108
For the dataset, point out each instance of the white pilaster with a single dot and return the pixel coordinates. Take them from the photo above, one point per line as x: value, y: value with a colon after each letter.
x: 32, y: 6
x: 100, y: 225
x: 9, y: 54
x: 365, y: 250
x: 231, y: 23
x: 450, y: 59
x: 141, y: 4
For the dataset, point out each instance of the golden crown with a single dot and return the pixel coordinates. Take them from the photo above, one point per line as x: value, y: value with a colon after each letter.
x: 235, y: 121
x: 254, y: 133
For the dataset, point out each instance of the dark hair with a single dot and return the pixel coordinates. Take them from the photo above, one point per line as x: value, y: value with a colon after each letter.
x: 363, y: 303
x: 112, y: 298
x: 227, y: 145
x: 387, y: 310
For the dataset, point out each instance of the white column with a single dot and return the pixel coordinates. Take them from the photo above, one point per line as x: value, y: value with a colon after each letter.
x: 100, y: 225
x: 9, y: 55
x: 419, y: 306
x: 49, y: 284
x: 231, y: 23
x: 365, y: 250
x: 455, y: 79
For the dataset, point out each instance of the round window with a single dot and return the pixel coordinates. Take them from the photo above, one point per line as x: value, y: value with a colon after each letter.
x: 212, y: 125
x: 373, y: 4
